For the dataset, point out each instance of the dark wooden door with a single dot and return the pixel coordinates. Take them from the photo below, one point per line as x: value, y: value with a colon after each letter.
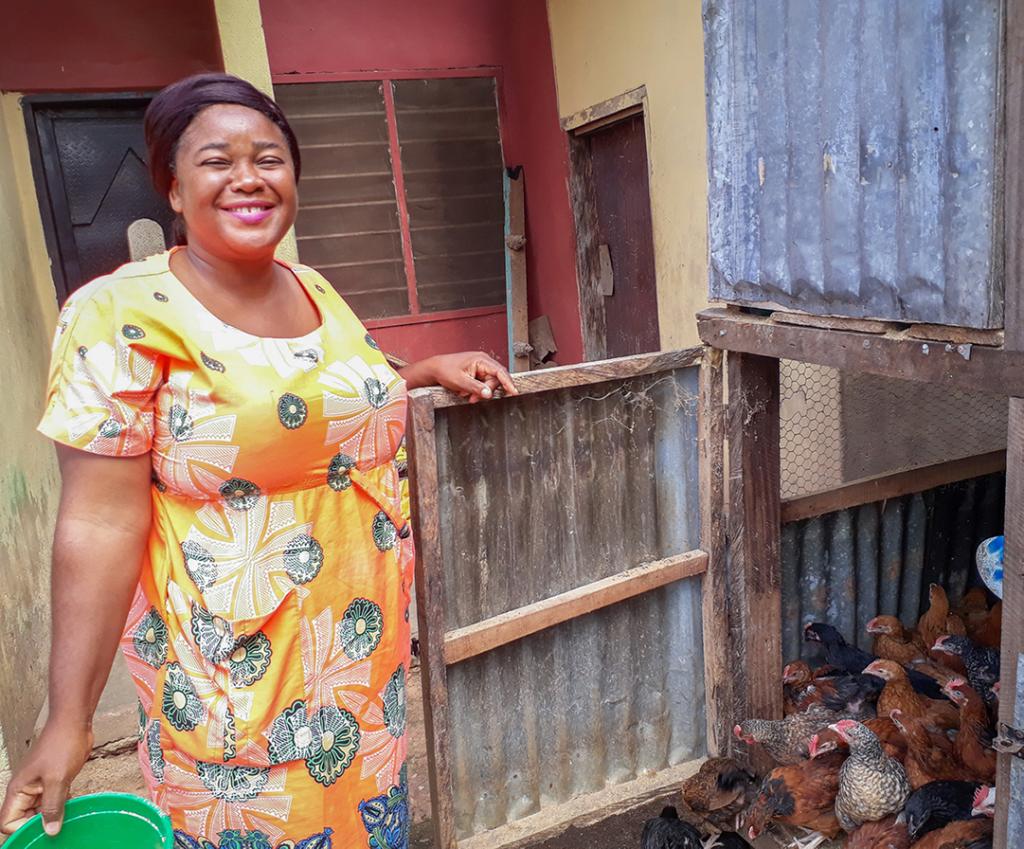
x: 89, y: 162
x: 622, y: 191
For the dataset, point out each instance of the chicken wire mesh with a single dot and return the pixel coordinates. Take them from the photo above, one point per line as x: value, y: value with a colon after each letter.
x: 838, y: 427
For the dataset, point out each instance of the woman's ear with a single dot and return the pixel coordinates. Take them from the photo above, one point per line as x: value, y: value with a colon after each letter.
x: 174, y: 196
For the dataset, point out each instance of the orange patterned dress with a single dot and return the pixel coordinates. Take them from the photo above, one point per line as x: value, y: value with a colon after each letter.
x: 269, y: 636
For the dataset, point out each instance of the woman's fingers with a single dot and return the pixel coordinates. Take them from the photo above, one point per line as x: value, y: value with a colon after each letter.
x: 19, y: 807
x: 51, y: 805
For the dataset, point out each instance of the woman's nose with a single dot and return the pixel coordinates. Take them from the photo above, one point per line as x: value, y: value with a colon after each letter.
x: 247, y: 177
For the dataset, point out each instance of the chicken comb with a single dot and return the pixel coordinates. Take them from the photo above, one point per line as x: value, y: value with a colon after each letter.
x: 981, y: 796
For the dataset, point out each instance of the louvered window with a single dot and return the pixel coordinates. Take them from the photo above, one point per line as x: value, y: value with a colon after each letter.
x: 401, y: 194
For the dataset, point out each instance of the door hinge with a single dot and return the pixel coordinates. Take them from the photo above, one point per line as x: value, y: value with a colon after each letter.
x: 1010, y: 740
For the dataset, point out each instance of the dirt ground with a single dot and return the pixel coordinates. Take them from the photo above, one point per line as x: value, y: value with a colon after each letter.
x: 118, y: 770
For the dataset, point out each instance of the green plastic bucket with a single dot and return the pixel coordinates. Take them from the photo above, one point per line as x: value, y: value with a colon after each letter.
x: 100, y: 821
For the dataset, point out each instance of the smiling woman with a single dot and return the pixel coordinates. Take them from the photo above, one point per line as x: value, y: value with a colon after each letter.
x: 227, y: 431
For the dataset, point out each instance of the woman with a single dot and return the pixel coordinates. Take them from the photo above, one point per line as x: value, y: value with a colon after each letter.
x: 226, y: 430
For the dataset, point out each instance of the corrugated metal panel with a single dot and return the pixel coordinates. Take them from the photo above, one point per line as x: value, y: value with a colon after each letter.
x: 847, y: 567
x: 542, y: 494
x: 852, y: 156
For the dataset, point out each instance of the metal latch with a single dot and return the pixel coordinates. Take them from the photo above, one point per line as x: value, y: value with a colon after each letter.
x: 1010, y: 740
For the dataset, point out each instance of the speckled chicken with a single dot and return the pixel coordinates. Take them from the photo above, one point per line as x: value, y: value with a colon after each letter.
x: 893, y: 742
x: 786, y: 740
x: 938, y: 804
x: 871, y: 785
x: 884, y: 834
x: 981, y: 662
x: 719, y: 791
x: 667, y: 831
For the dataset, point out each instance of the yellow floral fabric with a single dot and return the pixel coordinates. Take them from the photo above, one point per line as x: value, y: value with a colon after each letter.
x: 269, y: 636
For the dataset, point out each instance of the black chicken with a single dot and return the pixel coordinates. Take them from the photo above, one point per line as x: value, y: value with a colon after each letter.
x: 669, y: 832
x: 853, y: 660
x: 937, y: 804
x: 854, y: 694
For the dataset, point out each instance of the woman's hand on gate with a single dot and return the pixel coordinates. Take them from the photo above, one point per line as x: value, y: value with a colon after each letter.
x: 473, y: 375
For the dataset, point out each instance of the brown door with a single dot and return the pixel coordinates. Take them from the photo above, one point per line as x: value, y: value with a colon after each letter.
x: 618, y: 156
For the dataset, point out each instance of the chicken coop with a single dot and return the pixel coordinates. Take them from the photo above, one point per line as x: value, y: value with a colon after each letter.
x: 615, y: 565
x: 865, y: 197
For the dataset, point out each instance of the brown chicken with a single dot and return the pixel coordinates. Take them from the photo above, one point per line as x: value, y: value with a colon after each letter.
x: 803, y: 687
x: 923, y: 762
x: 936, y: 671
x: 972, y: 746
x: 884, y: 834
x: 892, y: 740
x: 786, y: 740
x: 719, y: 791
x: 802, y: 795
x: 893, y: 642
x: 871, y: 785
x: 900, y: 695
x: 989, y: 632
x: 937, y: 621
x: 957, y: 835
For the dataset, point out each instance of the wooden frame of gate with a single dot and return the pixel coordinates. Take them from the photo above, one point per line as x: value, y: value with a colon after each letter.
x: 441, y: 649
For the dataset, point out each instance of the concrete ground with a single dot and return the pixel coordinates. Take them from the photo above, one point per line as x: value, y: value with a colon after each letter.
x: 115, y: 768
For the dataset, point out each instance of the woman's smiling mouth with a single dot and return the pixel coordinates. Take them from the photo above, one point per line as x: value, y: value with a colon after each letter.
x: 250, y: 213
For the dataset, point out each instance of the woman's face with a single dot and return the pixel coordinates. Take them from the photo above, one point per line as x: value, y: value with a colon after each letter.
x: 234, y: 183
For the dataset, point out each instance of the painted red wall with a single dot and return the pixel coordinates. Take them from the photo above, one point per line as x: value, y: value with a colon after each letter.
x: 342, y: 39
x: 105, y: 45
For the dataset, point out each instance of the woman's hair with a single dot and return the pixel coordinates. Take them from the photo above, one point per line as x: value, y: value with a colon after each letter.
x: 175, y: 107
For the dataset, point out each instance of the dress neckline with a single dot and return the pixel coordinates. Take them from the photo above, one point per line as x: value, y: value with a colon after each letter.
x: 166, y: 257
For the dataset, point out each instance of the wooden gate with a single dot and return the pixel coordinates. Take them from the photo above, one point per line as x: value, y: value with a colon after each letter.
x: 559, y: 594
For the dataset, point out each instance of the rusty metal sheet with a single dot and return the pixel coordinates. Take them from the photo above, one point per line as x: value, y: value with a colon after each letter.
x: 853, y: 157
x: 539, y: 495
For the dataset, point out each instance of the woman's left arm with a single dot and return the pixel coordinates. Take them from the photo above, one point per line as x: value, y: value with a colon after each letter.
x: 473, y: 375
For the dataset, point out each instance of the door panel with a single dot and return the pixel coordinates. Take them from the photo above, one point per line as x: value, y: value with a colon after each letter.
x: 90, y: 170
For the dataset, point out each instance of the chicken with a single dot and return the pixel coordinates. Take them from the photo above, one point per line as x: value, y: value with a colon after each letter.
x: 892, y: 642
x: 727, y: 840
x: 786, y: 740
x: 854, y: 695
x: 800, y: 795
x: 974, y: 601
x: 962, y: 834
x: 981, y: 662
x: 893, y: 742
x: 669, y: 832
x: 899, y: 694
x: 973, y: 744
x: 871, y: 785
x: 853, y: 660
x: 989, y: 632
x: 984, y: 802
x: 923, y: 762
x: 936, y: 671
x: 937, y: 804
x: 798, y: 687
x: 719, y: 791
x: 937, y: 619
x: 884, y: 834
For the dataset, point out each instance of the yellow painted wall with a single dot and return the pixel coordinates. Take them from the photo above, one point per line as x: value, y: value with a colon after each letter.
x: 603, y: 48
x: 29, y: 480
x: 244, y: 49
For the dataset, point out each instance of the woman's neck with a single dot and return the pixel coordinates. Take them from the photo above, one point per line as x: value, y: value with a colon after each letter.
x: 251, y: 279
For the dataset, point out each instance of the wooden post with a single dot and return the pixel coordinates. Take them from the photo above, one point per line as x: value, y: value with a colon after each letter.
x: 754, y: 527
x: 718, y: 651
x: 430, y: 610
x: 1009, y: 819
x: 515, y: 271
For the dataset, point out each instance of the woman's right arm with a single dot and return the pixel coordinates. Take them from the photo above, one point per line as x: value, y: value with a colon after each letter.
x: 99, y: 543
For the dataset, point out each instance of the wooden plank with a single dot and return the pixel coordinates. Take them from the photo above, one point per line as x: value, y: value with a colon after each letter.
x: 881, y: 488
x: 505, y: 628
x: 430, y: 608
x: 956, y: 335
x: 828, y: 322
x: 755, y: 567
x: 565, y: 377
x: 594, y: 117
x: 715, y: 591
x: 1010, y: 773
x: 999, y: 371
x: 588, y: 268
x: 515, y: 271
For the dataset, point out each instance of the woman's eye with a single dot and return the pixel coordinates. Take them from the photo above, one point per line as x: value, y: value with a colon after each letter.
x: 216, y: 163
x: 270, y: 162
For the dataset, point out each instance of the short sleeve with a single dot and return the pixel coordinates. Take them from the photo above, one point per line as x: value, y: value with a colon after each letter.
x: 103, y: 379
